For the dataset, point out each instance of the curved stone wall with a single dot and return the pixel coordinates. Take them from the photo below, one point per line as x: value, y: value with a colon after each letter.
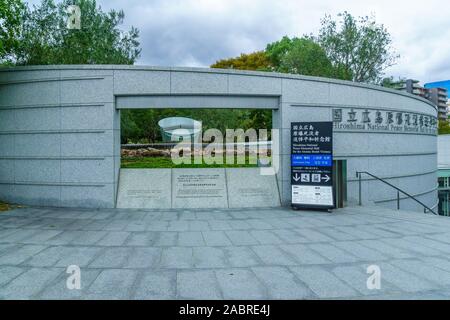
x: 60, y: 127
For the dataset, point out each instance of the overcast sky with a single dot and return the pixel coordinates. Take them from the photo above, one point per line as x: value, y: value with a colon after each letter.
x: 199, y: 32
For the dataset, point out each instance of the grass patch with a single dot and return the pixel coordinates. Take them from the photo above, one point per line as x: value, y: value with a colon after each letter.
x: 166, y: 162
x: 6, y: 206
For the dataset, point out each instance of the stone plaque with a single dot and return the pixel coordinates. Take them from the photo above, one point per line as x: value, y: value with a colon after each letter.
x: 199, y: 188
x: 248, y: 188
x: 144, y: 188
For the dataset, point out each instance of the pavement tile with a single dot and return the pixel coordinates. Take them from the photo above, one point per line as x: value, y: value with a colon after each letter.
x: 219, y: 225
x: 241, y: 257
x: 77, y: 255
x: 64, y: 238
x: 19, y: 236
x: 216, y: 238
x: 404, y: 280
x: 135, y: 226
x: 441, y: 262
x: 259, y: 224
x: 424, y: 271
x: 30, y: 283
x: 114, y: 238
x: 166, y: 239
x: 273, y: 255
x: 324, y: 284
x: 59, y: 290
x: 333, y: 253
x: 304, y: 255
x: 265, y: 237
x: 289, y: 236
x: 42, y: 236
x: 157, y: 225
x: 240, y: 284
x: 418, y: 248
x: 112, y: 284
x: 198, y: 225
x: 177, y: 257
x: 88, y: 237
x: 357, y: 277
x: 116, y: 225
x: 397, y: 229
x: 157, y: 284
x: 198, y: 284
x: 21, y: 254
x: 111, y: 258
x: 6, y: 247
x: 360, y: 251
x: 335, y: 234
x: 178, y: 225
x: 441, y: 237
x: 5, y: 232
x: 241, y: 238
x: 385, y: 248
x: 209, y: 257
x: 239, y: 225
x: 7, y: 274
x: 356, y: 232
x: 190, y: 239
x: 142, y: 239
x: 281, y: 283
x: 443, y: 247
x: 143, y: 258
x: 313, y: 236
x: 379, y: 233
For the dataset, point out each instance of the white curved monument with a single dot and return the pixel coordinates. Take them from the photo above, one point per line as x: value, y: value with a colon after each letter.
x: 180, y: 129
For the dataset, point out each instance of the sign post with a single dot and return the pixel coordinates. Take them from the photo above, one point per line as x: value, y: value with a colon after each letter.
x: 312, y: 165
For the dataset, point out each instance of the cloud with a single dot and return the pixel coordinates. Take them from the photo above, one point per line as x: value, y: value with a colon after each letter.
x: 199, y: 32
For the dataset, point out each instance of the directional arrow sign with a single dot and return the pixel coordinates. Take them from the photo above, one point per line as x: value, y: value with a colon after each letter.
x: 312, y: 165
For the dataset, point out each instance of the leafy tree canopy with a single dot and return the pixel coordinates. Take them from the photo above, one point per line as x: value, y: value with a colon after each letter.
x: 352, y: 48
x: 390, y: 82
x: 141, y: 125
x: 359, y: 48
x: 256, y: 61
x: 299, y: 56
x: 47, y: 40
x: 11, y: 12
x: 444, y: 127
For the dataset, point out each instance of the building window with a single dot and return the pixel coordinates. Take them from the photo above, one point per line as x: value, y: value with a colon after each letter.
x: 444, y: 182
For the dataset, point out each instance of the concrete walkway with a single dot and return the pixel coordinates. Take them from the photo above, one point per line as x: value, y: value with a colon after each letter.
x: 223, y: 254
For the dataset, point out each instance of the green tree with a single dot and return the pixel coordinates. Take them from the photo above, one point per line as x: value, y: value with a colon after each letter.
x: 11, y: 13
x: 389, y: 82
x: 256, y: 61
x: 444, y: 127
x: 47, y: 40
x: 299, y: 56
x: 141, y: 125
x: 359, y: 48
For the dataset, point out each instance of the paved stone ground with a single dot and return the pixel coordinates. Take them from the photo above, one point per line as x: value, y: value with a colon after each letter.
x: 223, y: 254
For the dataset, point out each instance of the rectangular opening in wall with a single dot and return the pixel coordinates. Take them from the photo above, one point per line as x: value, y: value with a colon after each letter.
x: 196, y: 158
x: 149, y: 136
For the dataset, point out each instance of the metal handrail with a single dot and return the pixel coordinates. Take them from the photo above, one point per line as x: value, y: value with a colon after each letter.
x: 425, y: 207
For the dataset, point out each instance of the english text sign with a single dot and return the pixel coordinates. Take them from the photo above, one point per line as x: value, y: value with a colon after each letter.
x: 312, y: 164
